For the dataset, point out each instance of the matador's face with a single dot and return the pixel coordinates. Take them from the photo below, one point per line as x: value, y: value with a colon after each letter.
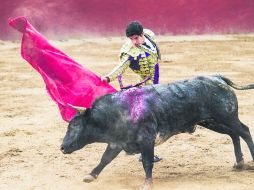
x: 137, y: 40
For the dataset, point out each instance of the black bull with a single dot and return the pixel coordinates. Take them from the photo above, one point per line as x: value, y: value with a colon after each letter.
x: 137, y: 119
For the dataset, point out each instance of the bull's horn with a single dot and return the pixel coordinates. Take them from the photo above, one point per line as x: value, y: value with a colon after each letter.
x: 79, y: 109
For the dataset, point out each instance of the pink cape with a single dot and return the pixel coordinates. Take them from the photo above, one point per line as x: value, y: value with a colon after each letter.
x: 67, y: 82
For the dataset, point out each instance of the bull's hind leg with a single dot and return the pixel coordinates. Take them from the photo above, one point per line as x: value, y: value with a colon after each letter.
x: 243, y: 131
x: 220, y: 128
x: 245, y: 134
x: 238, y: 152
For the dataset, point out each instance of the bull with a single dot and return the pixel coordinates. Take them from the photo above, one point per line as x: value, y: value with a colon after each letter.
x: 137, y: 119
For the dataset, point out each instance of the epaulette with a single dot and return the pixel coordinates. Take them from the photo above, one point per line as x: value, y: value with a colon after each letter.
x: 129, y: 49
x: 149, y: 33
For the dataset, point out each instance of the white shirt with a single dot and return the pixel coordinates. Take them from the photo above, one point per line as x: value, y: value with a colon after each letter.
x: 148, y: 45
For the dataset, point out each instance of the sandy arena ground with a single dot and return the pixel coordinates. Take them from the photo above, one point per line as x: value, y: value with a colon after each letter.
x: 31, y: 129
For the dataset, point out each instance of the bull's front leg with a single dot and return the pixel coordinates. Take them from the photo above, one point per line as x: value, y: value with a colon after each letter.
x: 147, y: 152
x: 107, y: 157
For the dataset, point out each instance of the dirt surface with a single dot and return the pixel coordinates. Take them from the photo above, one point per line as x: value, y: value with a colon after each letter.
x: 31, y: 129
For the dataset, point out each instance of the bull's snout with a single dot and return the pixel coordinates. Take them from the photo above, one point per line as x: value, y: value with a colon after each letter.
x: 65, y: 150
x: 62, y: 150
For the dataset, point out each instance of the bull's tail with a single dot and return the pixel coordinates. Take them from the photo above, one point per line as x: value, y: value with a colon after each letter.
x: 235, y: 86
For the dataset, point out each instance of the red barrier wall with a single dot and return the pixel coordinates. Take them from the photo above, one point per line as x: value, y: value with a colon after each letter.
x: 64, y: 18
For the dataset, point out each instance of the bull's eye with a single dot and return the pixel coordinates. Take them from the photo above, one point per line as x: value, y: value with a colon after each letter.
x: 75, y: 123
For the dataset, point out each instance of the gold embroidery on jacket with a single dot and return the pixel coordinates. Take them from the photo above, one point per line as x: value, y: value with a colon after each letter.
x: 146, y: 63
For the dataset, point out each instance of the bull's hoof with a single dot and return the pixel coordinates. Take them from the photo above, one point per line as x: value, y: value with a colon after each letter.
x: 147, y: 185
x: 249, y: 165
x: 88, y: 178
x: 239, y: 165
x: 244, y: 166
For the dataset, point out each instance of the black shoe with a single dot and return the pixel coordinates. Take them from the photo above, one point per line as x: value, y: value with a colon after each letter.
x: 155, y: 158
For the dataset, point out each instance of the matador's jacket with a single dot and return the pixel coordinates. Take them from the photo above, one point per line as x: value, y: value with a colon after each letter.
x: 142, y: 60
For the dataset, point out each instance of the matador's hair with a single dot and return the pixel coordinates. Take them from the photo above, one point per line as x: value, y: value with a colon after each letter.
x: 134, y: 28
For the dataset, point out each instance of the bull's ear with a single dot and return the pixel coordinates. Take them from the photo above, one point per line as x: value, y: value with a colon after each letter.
x: 81, y: 110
